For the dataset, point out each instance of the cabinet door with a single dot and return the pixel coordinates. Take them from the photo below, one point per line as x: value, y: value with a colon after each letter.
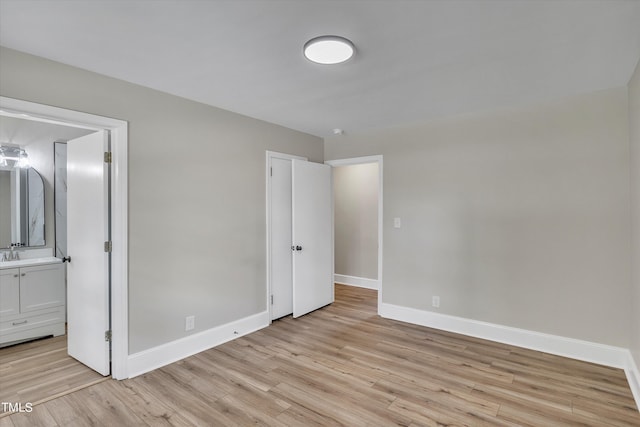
x: 9, y: 292
x: 41, y: 287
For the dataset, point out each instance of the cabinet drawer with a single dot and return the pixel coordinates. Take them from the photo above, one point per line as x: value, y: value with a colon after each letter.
x: 36, y: 320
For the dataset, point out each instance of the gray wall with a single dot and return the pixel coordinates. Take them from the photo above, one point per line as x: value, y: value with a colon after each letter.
x: 196, y: 195
x: 517, y: 217
x: 356, y: 220
x: 634, y: 138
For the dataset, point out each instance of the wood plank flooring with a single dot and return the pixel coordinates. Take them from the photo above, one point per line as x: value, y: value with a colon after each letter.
x: 344, y: 365
x: 41, y: 370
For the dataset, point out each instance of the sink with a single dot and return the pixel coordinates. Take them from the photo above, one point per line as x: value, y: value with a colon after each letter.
x: 29, y: 262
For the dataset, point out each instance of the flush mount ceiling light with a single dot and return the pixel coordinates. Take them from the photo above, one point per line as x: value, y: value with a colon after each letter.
x: 328, y: 50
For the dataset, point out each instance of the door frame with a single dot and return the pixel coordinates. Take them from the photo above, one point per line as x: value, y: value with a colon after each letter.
x: 119, y: 210
x: 267, y: 175
x: 364, y: 160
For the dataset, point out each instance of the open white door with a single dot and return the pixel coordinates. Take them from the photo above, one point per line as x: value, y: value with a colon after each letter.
x: 312, y: 235
x: 87, y: 232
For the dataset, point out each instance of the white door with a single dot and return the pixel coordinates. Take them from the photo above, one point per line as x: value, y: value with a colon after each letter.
x: 312, y: 243
x: 281, y: 267
x: 87, y: 232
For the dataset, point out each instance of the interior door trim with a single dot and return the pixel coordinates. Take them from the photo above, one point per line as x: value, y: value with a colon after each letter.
x: 358, y: 161
x: 270, y: 155
x: 119, y: 208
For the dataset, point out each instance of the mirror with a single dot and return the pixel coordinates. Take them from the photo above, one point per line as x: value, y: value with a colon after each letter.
x: 21, y: 208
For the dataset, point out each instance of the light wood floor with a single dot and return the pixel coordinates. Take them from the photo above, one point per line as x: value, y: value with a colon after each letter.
x: 41, y: 370
x: 343, y: 365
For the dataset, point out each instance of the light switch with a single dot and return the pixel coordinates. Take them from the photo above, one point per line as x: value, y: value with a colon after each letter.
x: 396, y: 222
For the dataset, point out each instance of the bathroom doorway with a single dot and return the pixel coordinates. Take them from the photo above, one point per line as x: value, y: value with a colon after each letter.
x: 117, y: 332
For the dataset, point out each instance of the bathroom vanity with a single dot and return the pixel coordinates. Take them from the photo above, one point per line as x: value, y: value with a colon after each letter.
x: 32, y: 280
x: 32, y: 299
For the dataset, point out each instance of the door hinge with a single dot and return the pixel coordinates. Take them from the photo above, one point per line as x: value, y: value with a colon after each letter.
x: 271, y: 299
x: 271, y: 171
x: 107, y: 336
x: 107, y: 156
x: 107, y: 246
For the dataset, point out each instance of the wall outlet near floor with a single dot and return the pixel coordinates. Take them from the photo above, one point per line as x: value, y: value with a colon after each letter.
x: 189, y: 323
x: 435, y: 301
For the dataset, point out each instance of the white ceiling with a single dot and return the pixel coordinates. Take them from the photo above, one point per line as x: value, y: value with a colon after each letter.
x: 416, y: 60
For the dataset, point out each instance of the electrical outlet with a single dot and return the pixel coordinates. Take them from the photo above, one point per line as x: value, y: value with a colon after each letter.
x: 435, y: 301
x: 397, y: 223
x: 190, y: 323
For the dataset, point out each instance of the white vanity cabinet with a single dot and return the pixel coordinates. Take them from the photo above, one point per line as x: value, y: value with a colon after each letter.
x: 32, y: 302
x: 9, y: 292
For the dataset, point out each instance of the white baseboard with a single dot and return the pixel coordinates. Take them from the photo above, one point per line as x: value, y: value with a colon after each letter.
x: 360, y: 282
x: 602, y: 354
x: 154, y: 358
x: 569, y: 347
x: 633, y: 377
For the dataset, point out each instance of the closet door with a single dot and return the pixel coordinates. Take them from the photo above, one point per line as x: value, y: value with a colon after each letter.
x: 87, y: 232
x: 312, y: 236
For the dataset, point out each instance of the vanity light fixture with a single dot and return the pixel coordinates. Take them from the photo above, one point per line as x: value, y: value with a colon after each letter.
x: 17, y: 155
x: 23, y: 161
x: 329, y: 50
